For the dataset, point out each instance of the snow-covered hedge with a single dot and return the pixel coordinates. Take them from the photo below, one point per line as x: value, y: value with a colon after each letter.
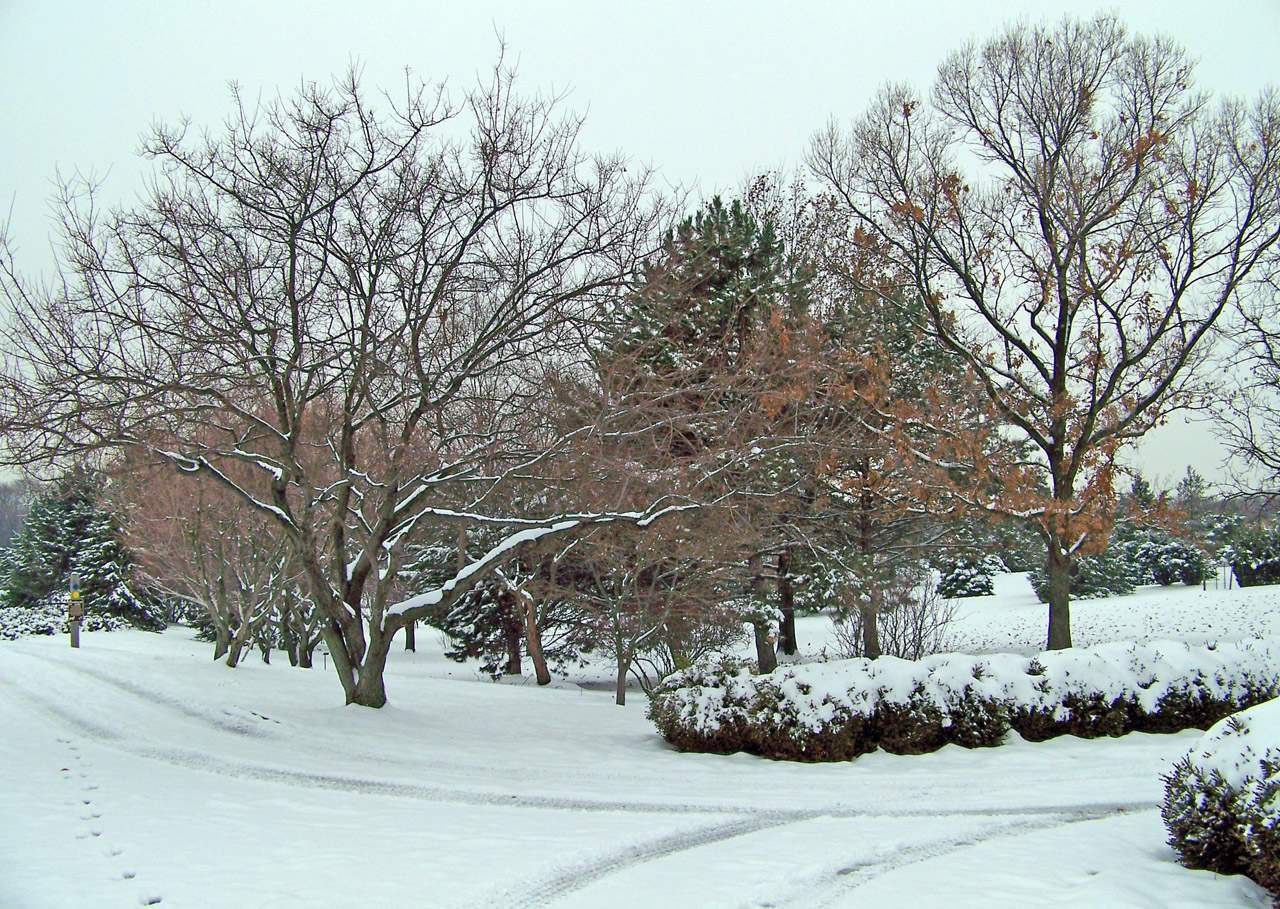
x: 49, y: 617
x: 1222, y: 800
x: 839, y: 710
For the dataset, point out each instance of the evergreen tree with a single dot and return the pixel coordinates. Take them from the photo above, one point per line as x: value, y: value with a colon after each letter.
x: 690, y: 353
x: 68, y: 531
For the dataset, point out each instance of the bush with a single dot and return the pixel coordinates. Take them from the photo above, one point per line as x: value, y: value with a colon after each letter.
x: 1177, y: 561
x: 1103, y: 575
x: 911, y: 624
x: 971, y: 578
x: 838, y: 710
x: 1222, y: 800
x: 49, y: 616
x: 1254, y: 556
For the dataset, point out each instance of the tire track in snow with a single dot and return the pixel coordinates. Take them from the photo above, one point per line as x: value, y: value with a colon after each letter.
x: 262, y: 772
x: 860, y: 873
x: 582, y: 875
x: 153, y: 697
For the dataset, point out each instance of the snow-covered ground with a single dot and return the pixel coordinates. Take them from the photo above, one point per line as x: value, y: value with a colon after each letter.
x: 135, y: 771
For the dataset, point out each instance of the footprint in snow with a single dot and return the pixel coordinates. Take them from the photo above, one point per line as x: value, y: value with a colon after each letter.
x: 149, y: 899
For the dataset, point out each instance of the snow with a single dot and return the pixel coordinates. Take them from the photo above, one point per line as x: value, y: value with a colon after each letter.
x: 135, y: 769
x: 1240, y: 752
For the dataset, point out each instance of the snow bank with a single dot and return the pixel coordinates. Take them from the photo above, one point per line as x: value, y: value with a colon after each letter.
x: 838, y: 710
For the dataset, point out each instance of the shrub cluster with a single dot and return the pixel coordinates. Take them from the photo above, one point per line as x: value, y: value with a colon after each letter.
x: 1222, y: 800
x: 839, y: 710
x: 50, y: 617
x: 1154, y: 556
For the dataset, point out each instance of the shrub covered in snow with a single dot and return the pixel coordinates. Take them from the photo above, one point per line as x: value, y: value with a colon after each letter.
x: 1178, y: 561
x: 971, y: 577
x: 1103, y: 575
x: 838, y: 710
x: 1254, y: 555
x: 1222, y: 800
x: 50, y: 617
x: 1155, y: 556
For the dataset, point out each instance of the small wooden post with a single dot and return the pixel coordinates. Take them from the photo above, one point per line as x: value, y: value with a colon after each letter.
x: 75, y: 611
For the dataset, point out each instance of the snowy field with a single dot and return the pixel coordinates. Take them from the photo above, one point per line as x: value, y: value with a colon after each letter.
x: 136, y: 771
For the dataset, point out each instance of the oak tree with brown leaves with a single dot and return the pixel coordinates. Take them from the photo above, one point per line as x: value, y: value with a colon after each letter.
x: 1076, y: 217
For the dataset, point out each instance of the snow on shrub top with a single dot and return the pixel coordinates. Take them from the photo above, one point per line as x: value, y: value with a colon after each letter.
x: 1237, y: 746
x: 809, y: 696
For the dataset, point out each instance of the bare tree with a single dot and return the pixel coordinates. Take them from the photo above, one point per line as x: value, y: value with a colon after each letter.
x: 1076, y: 218
x: 193, y: 541
x: 320, y: 295
x: 1249, y: 418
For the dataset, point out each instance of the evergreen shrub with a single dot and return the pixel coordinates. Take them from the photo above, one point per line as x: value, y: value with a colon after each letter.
x: 971, y: 577
x: 1092, y: 577
x: 839, y: 710
x: 1254, y: 556
x: 1222, y: 799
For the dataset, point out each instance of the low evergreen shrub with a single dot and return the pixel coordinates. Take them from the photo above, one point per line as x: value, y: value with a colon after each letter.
x: 1254, y: 556
x: 971, y: 577
x: 1092, y: 577
x: 1222, y: 799
x: 839, y: 710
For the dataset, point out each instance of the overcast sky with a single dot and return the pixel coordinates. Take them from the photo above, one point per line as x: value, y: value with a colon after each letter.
x: 708, y: 93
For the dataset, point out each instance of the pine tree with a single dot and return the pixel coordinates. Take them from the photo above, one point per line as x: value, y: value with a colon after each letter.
x: 688, y: 353
x: 69, y: 531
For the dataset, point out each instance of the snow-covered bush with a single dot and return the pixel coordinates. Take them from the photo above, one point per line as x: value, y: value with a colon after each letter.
x: 1254, y: 556
x: 1153, y: 556
x: 838, y: 710
x: 50, y: 617
x: 1178, y: 561
x: 971, y: 578
x: 1094, y: 576
x: 1222, y: 800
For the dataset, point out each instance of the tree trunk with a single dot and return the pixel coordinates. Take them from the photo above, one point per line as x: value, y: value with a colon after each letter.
x: 766, y: 655
x: 410, y: 637
x: 289, y: 638
x: 341, y: 665
x: 512, y: 633
x: 236, y: 648
x: 534, y: 637
x: 1059, y: 597
x: 620, y: 695
x: 369, y: 689
x: 869, y: 612
x: 221, y: 641
x: 787, y: 641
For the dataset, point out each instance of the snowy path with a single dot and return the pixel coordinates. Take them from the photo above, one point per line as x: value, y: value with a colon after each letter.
x: 254, y: 787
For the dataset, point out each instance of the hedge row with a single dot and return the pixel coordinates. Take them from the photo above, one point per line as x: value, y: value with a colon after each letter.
x: 839, y: 710
x: 1222, y: 800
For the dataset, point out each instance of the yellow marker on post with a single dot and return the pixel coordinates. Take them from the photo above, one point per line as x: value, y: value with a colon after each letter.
x: 75, y: 611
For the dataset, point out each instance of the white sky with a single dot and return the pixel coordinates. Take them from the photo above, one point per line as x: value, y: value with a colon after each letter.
x: 708, y: 92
